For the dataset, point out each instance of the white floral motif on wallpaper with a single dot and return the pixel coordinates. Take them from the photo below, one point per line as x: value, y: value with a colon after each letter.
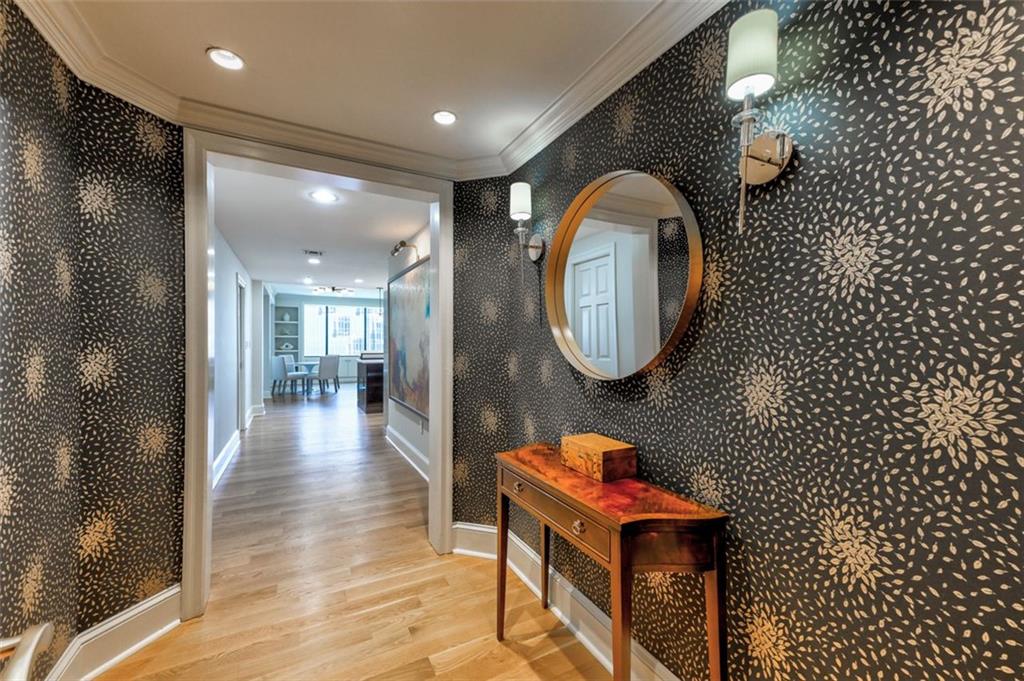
x: 570, y: 156
x: 6, y: 259
x: 152, y: 440
x: 96, y: 538
x: 97, y: 199
x: 98, y: 367
x: 850, y: 548
x: 460, y: 366
x: 488, y: 311
x: 763, y: 387
x: 529, y: 308
x: 715, y: 279
x: 624, y: 120
x: 490, y: 419
x: 512, y: 366
x: 61, y: 84
x: 35, y: 374
x: 460, y: 258
x: 151, y: 136
x: 660, y: 391
x: 32, y: 161
x: 529, y: 428
x: 62, y: 453
x: 849, y: 259
x: 767, y: 641
x: 958, y: 413
x: 152, y: 583
x: 707, y: 486
x: 489, y: 200
x: 709, y: 61
x: 3, y: 30
x: 32, y: 586
x: 62, y: 276
x: 151, y: 289
x: 460, y: 472
x: 969, y: 65
x: 7, y: 493
x: 546, y: 371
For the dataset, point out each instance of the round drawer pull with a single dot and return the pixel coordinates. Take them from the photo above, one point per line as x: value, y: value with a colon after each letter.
x: 517, y: 487
x: 578, y: 528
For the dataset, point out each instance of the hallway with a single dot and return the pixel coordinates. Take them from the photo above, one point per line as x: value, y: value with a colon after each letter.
x: 322, y: 570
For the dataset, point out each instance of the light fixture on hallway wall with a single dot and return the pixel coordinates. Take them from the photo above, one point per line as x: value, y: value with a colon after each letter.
x: 444, y: 117
x: 520, y: 209
x: 752, y: 71
x: 313, y: 257
x: 402, y: 245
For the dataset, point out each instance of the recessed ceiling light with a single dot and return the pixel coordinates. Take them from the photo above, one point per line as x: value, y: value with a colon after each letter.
x: 226, y: 59
x: 444, y: 117
x: 307, y: 280
x: 324, y: 196
x: 314, y: 260
x: 210, y: 251
x: 359, y: 281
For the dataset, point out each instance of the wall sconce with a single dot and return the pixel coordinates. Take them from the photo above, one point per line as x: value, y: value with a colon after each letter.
x: 752, y: 69
x: 520, y: 208
x: 402, y: 245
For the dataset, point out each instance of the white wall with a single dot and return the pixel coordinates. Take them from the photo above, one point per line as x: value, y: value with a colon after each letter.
x: 406, y: 429
x: 224, y: 328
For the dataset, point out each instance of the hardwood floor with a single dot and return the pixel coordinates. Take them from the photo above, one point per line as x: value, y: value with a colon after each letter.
x: 322, y: 570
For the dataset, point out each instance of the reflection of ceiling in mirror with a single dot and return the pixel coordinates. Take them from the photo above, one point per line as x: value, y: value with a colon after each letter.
x: 640, y: 195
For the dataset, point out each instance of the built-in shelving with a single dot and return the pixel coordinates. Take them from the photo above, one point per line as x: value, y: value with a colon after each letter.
x: 286, y: 330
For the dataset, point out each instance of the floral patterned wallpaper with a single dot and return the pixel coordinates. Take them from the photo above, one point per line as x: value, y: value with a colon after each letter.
x: 92, y: 351
x: 850, y: 389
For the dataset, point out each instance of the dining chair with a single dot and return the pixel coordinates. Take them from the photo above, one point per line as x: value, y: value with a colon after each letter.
x: 327, y: 371
x: 292, y: 374
x: 278, y: 375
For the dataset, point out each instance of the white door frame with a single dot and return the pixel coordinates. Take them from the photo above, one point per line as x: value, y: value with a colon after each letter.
x: 200, y: 149
x: 241, y: 387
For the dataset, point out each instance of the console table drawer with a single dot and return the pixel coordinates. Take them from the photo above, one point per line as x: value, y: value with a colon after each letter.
x: 569, y: 522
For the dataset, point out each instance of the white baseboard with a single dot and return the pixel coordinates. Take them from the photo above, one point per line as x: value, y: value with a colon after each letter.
x: 578, y: 613
x: 252, y: 412
x: 417, y: 459
x: 224, y: 457
x: 99, y: 648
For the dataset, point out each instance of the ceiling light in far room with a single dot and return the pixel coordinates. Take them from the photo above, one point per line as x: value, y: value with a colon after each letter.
x: 359, y: 281
x: 324, y: 196
x: 313, y: 257
x: 307, y: 280
x: 444, y: 117
x: 226, y: 59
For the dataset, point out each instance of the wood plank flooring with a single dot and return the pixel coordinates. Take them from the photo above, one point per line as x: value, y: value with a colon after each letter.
x: 322, y: 570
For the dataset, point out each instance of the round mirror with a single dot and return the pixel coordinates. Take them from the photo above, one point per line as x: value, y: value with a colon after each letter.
x: 624, y: 275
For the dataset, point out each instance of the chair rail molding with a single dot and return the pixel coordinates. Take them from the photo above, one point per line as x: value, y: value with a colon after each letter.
x: 665, y: 24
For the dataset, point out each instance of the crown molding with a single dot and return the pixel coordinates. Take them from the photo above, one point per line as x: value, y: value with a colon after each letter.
x: 663, y: 26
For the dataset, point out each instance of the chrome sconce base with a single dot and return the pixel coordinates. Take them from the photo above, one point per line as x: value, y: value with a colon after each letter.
x: 763, y: 156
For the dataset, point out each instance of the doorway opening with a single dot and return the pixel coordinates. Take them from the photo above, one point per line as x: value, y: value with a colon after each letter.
x: 336, y: 319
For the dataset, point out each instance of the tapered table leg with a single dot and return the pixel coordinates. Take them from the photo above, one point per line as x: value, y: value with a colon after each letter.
x: 545, y: 542
x: 714, y: 596
x: 502, y: 558
x: 622, y: 607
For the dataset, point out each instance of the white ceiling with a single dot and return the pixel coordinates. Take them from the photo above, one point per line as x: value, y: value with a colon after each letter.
x: 372, y: 70
x: 360, y: 80
x: 263, y: 212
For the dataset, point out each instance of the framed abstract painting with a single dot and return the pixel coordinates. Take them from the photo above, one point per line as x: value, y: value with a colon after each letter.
x: 409, y: 338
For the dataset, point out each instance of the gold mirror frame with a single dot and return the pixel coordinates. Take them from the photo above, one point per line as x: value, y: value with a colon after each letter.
x: 554, y: 290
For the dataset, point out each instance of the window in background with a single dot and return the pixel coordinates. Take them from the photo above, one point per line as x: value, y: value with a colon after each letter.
x: 341, y: 330
x: 314, y: 338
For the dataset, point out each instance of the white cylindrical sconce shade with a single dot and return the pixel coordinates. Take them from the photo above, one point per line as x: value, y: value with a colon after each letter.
x: 519, y: 206
x: 753, y: 54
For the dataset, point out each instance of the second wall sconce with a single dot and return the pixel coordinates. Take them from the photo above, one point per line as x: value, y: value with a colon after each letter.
x: 520, y: 209
x: 753, y: 68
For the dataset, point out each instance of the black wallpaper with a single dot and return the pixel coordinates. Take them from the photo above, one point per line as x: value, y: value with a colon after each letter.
x: 91, y: 345
x: 850, y: 387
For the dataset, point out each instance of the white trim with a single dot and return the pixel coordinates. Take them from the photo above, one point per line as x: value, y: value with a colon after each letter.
x: 202, y: 149
x: 224, y: 457
x: 663, y: 26
x: 417, y: 459
x: 252, y: 412
x: 578, y: 613
x: 99, y: 648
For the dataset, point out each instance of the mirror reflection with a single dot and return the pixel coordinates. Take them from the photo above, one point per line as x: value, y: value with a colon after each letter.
x: 627, y: 275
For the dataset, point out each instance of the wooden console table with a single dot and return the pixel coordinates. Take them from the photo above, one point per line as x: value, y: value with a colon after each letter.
x: 627, y: 526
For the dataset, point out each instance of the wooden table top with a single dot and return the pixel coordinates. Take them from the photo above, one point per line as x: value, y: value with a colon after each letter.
x: 620, y: 502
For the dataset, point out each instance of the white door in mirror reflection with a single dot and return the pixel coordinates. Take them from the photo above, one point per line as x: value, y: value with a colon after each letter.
x: 593, y: 307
